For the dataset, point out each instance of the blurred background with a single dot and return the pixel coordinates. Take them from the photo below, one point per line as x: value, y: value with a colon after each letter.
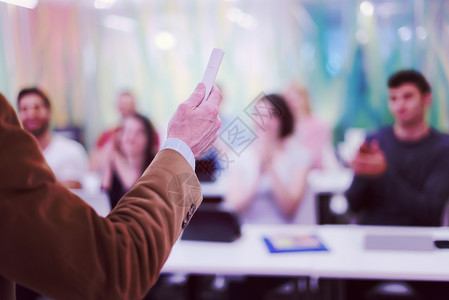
x: 84, y: 52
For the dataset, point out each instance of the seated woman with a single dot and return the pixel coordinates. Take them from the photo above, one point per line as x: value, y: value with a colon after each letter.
x: 268, y: 181
x: 137, y: 145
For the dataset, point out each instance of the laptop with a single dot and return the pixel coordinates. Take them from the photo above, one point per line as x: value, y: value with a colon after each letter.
x: 399, y: 242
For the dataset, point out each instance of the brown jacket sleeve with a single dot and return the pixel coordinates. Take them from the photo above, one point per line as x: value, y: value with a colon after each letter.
x: 53, y: 242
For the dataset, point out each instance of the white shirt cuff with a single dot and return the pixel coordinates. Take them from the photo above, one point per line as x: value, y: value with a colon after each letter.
x: 182, y: 148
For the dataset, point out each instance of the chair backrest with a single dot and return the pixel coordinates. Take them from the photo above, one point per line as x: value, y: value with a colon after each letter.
x: 206, y: 169
x: 445, y: 215
x: 213, y: 223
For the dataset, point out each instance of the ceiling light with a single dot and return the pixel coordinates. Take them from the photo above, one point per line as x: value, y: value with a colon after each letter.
x: 367, y: 8
x: 243, y: 19
x: 24, y: 3
x: 405, y: 33
x: 104, y: 4
x: 164, y: 40
x: 120, y: 23
x: 421, y: 32
x: 234, y: 14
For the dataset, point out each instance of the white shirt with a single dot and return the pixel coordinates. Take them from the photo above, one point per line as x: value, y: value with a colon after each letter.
x: 263, y: 208
x: 67, y: 158
x: 182, y: 148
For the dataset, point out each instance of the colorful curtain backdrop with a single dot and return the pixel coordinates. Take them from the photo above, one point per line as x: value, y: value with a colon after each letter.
x: 342, y: 51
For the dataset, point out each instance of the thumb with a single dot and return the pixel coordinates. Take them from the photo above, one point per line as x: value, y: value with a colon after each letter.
x: 364, y: 148
x: 197, y: 95
x: 375, y: 145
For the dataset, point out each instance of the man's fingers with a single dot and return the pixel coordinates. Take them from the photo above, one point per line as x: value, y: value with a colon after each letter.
x: 214, y: 97
x: 368, y: 164
x: 374, y: 145
x: 364, y: 148
x: 197, y: 95
x: 206, y: 144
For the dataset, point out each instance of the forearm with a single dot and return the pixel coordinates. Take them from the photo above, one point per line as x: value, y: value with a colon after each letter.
x: 289, y: 196
x: 160, y: 200
x: 85, y: 256
x: 242, y: 190
x: 54, y: 243
x: 125, y: 173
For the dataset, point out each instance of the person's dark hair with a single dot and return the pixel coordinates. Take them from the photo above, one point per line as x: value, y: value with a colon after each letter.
x: 409, y: 76
x: 152, y: 138
x: 282, y: 112
x: 35, y: 91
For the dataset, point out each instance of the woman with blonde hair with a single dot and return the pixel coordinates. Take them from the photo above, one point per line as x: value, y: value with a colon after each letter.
x: 310, y: 131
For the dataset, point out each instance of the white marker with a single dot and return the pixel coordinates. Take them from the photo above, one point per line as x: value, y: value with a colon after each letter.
x: 212, y: 70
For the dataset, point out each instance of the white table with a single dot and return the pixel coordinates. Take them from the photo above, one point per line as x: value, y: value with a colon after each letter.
x: 349, y: 259
x: 99, y: 201
x: 346, y: 258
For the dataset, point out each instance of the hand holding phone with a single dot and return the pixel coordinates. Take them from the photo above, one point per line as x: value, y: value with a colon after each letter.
x: 370, y: 160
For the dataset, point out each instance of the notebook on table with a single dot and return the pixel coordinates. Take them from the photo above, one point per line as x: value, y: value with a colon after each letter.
x: 294, y: 243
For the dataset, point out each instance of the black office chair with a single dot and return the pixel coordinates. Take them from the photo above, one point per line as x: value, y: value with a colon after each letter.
x: 214, y: 223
